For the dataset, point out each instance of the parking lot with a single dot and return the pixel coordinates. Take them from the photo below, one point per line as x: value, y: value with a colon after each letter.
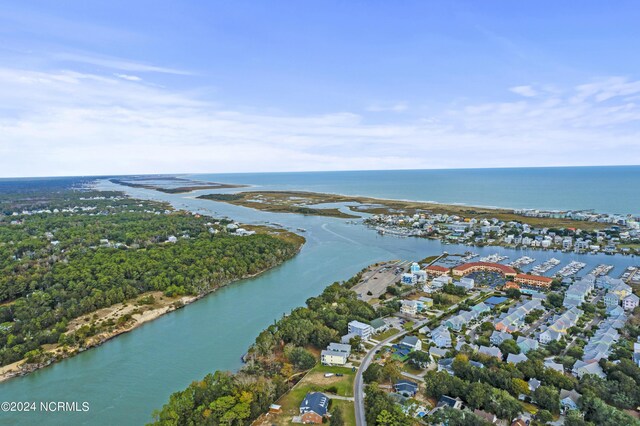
x: 377, y: 278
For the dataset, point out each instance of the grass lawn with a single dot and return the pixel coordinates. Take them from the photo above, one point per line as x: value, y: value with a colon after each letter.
x: 408, y: 325
x: 315, y: 381
x: 409, y: 368
x: 385, y: 334
x: 348, y: 411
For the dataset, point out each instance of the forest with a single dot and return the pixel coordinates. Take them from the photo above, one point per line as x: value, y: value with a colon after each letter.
x: 66, y: 252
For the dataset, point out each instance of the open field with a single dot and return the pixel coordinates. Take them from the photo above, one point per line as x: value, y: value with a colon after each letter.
x: 302, y: 202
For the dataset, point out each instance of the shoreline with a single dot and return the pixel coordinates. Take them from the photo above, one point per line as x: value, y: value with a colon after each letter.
x: 384, y: 206
x: 21, y: 368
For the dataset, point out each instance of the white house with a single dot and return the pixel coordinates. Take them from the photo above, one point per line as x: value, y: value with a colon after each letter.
x: 409, y: 307
x: 630, y: 302
x: 441, y: 336
x: 335, y: 354
x: 412, y: 342
x: 360, y: 329
x: 466, y: 283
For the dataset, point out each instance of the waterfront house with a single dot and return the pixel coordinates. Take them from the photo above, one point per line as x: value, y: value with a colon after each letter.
x: 361, y: 329
x: 314, y: 407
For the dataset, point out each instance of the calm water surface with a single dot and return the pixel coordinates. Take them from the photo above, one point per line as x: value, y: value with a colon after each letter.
x: 125, y: 379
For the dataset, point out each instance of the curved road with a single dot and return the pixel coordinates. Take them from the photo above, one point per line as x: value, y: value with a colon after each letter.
x: 358, y: 384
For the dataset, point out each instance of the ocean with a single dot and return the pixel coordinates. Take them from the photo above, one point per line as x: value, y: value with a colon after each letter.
x: 612, y: 189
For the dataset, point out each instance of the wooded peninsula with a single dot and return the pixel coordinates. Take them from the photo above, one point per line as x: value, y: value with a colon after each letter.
x: 79, y: 266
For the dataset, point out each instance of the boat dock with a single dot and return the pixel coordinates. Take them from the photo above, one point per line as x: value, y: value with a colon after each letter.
x: 571, y: 269
x: 522, y: 261
x: 601, y: 269
x: 546, y: 266
x: 493, y: 258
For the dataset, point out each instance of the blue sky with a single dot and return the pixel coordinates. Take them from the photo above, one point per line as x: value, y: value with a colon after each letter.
x: 162, y: 87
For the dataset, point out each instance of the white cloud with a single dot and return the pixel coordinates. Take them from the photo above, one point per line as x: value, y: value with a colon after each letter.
x: 128, y: 77
x: 526, y: 91
x: 70, y: 123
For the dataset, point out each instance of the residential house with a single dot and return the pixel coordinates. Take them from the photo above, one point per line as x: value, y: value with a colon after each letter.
x: 361, y: 329
x: 526, y: 344
x: 516, y: 358
x: 412, y: 342
x: 406, y: 388
x: 409, y: 307
x: 569, y: 400
x: 335, y: 354
x: 497, y: 337
x: 447, y: 401
x: 378, y: 325
x: 580, y: 368
x: 491, y: 351
x: 549, y: 363
x: 314, y: 407
x: 611, y: 300
x: 441, y: 336
x: 466, y: 283
x: 513, y: 319
x: 630, y: 302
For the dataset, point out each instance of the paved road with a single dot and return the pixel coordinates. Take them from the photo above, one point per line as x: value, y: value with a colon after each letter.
x: 358, y: 385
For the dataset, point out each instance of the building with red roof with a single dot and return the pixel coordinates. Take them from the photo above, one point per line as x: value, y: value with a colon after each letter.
x: 467, y: 268
x: 533, y: 280
x: 436, y: 270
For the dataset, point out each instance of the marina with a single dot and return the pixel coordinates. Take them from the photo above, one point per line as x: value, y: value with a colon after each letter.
x: 546, y: 266
x: 494, y: 258
x: 521, y: 261
x: 601, y: 269
x: 571, y: 269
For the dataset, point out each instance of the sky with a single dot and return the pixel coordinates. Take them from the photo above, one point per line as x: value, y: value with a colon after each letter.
x: 123, y: 87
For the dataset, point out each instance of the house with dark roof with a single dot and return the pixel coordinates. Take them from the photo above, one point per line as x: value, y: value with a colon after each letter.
x: 411, y: 342
x: 447, y: 401
x: 406, y: 388
x: 314, y: 407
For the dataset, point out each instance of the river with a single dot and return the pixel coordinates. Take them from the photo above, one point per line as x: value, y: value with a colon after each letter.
x: 125, y: 379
